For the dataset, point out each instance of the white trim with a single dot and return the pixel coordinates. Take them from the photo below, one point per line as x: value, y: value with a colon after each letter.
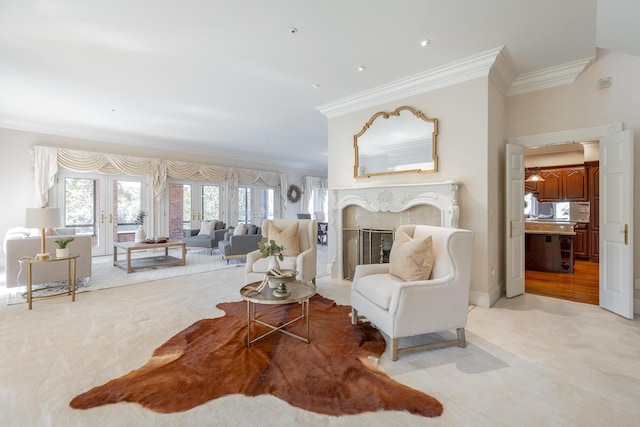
x: 566, y: 136
x: 549, y: 77
x: 485, y: 299
x: 456, y: 72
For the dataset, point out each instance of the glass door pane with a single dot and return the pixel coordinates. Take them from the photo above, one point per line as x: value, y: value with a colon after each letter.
x: 210, y: 202
x: 127, y: 202
x: 255, y: 204
x: 80, y: 207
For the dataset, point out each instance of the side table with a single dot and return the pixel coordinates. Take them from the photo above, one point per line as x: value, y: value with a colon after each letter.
x: 69, y: 288
x: 300, y: 292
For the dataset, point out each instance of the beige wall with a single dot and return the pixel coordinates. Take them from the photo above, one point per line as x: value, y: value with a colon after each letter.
x: 462, y: 113
x: 16, y: 169
x: 582, y: 104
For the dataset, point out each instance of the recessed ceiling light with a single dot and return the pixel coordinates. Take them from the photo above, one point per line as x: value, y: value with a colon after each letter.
x: 424, y: 42
x: 293, y: 30
x: 315, y: 86
x: 360, y: 68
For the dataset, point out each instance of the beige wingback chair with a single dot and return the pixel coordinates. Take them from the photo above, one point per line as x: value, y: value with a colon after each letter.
x: 303, y: 260
x: 405, y: 309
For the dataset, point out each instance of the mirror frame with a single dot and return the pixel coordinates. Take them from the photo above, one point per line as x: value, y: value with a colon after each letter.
x: 386, y: 115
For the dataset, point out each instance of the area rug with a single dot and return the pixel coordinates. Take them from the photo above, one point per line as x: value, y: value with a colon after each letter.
x: 335, y: 374
x: 105, y: 275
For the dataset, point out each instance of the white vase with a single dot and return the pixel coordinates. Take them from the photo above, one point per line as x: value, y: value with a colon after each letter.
x: 140, y: 235
x: 273, y: 265
x: 62, y: 253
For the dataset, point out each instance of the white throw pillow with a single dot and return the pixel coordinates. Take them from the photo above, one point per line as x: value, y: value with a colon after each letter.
x: 411, y: 259
x: 241, y: 229
x: 206, y: 227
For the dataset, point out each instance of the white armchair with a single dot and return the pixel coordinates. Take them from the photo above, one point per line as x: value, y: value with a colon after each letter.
x: 303, y: 259
x: 407, y: 308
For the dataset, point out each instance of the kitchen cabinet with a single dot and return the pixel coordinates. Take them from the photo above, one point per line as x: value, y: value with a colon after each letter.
x: 549, y: 252
x: 581, y: 248
x: 563, y: 184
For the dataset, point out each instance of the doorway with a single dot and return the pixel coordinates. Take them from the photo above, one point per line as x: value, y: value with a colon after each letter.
x: 581, y: 284
x: 615, y: 211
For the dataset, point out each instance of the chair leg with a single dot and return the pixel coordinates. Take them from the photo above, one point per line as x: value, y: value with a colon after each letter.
x: 461, y: 338
x: 394, y: 349
x: 354, y: 316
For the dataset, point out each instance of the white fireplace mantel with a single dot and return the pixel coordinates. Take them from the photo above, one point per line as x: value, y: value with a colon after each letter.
x: 442, y: 196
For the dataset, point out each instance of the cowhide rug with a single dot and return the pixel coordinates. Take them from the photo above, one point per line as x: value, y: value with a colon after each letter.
x: 334, y: 374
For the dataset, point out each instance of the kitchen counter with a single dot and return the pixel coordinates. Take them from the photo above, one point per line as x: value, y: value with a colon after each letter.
x: 562, y: 228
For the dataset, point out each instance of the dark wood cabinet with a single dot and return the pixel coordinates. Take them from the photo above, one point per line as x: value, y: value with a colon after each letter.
x: 581, y: 248
x: 549, y: 252
x: 551, y: 189
x: 568, y: 184
x: 575, y: 184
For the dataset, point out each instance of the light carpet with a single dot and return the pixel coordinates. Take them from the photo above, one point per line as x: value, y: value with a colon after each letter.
x: 105, y: 275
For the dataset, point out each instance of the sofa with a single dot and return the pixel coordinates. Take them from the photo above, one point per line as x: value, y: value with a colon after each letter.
x: 206, y: 240
x: 18, y: 243
x: 240, y: 242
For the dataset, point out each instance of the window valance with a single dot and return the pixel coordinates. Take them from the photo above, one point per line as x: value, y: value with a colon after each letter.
x: 47, y: 159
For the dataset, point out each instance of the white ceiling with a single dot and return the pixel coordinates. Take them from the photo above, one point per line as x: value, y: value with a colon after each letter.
x: 228, y: 78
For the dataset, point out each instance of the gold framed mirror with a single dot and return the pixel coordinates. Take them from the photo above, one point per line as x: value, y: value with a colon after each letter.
x: 401, y: 141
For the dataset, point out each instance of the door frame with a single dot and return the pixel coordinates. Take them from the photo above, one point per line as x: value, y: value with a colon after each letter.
x: 563, y: 137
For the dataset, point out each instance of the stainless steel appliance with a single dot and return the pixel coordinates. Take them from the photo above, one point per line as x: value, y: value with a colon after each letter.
x: 579, y: 211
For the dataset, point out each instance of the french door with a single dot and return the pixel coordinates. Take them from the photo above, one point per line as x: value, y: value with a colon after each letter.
x: 255, y: 204
x: 102, y: 206
x: 190, y: 203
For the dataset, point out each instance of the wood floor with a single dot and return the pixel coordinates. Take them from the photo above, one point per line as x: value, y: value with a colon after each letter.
x: 581, y: 286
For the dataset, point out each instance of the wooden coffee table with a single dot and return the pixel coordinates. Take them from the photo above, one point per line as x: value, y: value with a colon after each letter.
x: 152, y: 261
x: 300, y: 292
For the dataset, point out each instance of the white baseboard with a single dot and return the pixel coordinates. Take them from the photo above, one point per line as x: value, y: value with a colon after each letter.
x: 485, y: 299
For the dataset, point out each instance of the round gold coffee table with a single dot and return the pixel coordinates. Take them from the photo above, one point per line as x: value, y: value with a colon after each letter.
x: 300, y: 292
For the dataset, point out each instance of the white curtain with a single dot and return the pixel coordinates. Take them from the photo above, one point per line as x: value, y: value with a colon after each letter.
x: 314, y: 184
x: 46, y: 159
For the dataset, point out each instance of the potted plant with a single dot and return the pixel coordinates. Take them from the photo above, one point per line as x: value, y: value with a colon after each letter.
x: 270, y: 248
x: 62, y: 242
x: 140, y: 233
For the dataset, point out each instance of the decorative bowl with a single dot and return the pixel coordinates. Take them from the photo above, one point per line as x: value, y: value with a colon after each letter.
x: 287, y: 276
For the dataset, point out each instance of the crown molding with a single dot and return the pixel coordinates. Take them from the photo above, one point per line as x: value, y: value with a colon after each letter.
x: 456, y: 72
x: 549, y: 77
x: 503, y: 72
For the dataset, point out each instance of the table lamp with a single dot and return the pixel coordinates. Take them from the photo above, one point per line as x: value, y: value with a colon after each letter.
x: 42, y: 218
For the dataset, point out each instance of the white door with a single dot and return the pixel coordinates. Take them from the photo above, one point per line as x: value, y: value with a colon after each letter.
x: 102, y: 206
x: 255, y: 204
x: 515, y: 220
x: 616, y: 223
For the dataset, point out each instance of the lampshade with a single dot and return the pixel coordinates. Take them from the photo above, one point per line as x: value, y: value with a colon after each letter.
x: 535, y: 178
x: 42, y: 218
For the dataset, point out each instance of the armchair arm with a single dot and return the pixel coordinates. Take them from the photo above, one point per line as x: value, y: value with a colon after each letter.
x: 217, y: 236
x: 190, y: 233
x: 252, y: 257
x: 368, y: 269
x: 306, y: 264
